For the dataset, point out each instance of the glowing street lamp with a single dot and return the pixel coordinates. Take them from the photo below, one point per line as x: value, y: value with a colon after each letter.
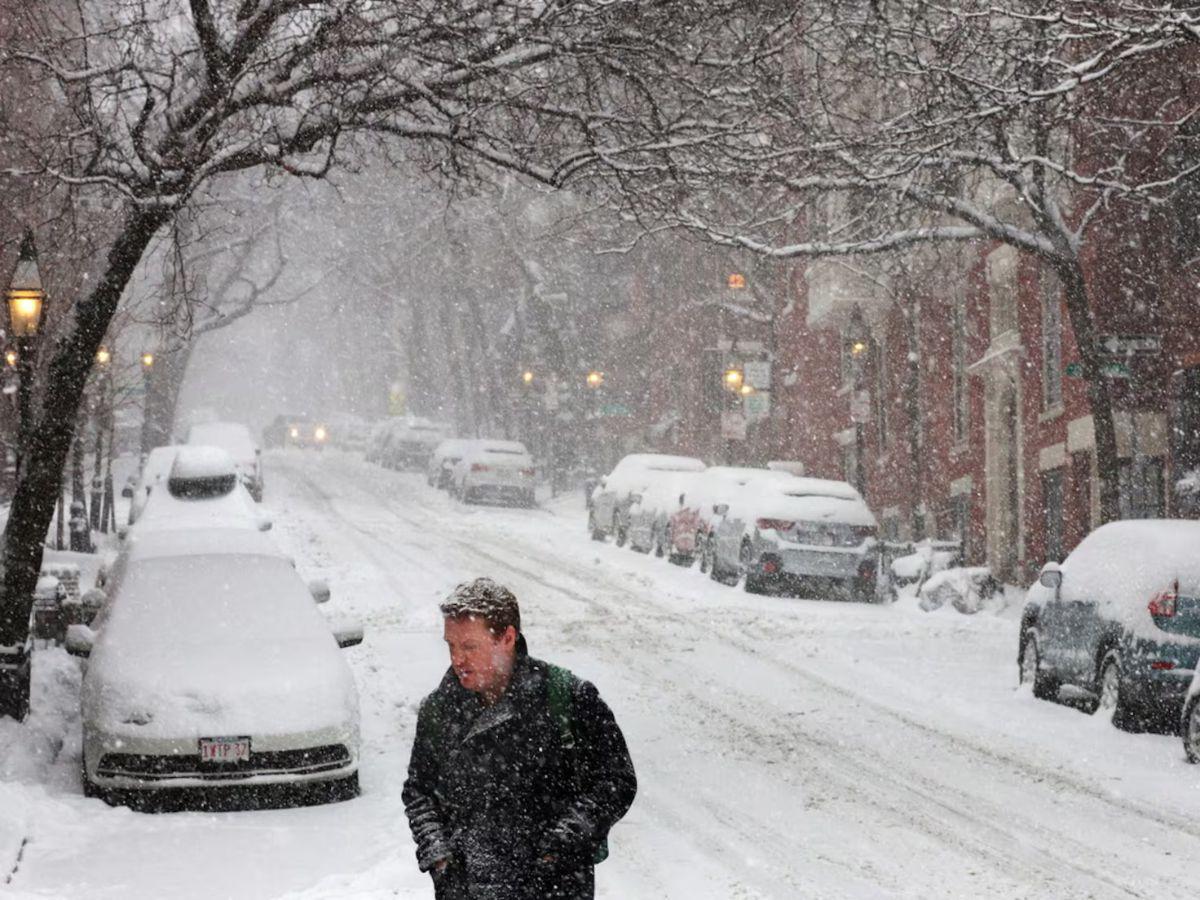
x: 26, y: 299
x: 103, y: 356
x: 527, y: 376
x: 147, y: 361
x: 595, y: 379
x: 10, y: 357
x: 733, y: 379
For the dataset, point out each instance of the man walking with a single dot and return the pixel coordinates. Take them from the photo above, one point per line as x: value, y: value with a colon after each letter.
x: 518, y: 770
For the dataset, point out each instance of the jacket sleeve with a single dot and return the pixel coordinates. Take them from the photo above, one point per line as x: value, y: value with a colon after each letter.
x: 420, y: 794
x: 607, y: 783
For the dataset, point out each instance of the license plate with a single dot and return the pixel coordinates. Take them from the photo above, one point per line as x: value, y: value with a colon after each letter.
x: 225, y: 750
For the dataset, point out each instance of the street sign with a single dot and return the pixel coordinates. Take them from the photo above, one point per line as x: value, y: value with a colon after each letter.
x: 758, y: 374
x: 1108, y: 370
x: 733, y: 425
x: 757, y: 405
x: 1131, y: 344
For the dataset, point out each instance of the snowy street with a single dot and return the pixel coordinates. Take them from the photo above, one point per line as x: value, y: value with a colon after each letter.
x: 785, y: 748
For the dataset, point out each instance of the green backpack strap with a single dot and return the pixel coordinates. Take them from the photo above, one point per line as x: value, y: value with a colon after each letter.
x: 560, y: 689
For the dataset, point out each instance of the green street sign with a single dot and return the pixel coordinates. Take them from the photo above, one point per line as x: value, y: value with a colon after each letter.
x: 1108, y: 370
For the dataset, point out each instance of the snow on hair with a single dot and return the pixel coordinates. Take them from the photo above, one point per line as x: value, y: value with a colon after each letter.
x: 484, y: 599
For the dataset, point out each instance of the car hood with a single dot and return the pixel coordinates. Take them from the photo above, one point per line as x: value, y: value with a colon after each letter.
x: 251, y: 688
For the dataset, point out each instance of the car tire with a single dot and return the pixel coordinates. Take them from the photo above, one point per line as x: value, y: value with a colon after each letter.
x: 621, y: 534
x: 719, y: 575
x: 596, y: 533
x: 90, y: 790
x: 753, y: 584
x: 1112, y: 694
x: 657, y: 541
x: 702, y: 552
x: 1030, y: 670
x: 1189, y: 730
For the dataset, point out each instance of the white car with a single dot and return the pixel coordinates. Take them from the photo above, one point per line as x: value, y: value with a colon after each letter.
x: 650, y: 512
x: 495, y: 470
x: 209, y: 664
x: 806, y: 530
x: 236, y: 440
x: 202, y: 490
x: 156, y: 467
x: 609, y: 513
x: 440, y: 468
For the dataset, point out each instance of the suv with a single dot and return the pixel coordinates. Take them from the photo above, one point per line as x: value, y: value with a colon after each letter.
x: 1119, y: 620
x: 234, y: 438
x: 609, y: 513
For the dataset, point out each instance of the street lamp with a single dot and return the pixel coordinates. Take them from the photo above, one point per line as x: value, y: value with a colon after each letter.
x: 10, y: 358
x: 733, y: 379
x: 25, y: 301
x: 858, y: 343
x: 103, y: 356
x: 147, y: 362
x: 527, y: 376
x: 595, y: 379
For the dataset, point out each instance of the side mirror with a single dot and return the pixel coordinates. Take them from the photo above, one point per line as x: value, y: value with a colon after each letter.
x: 319, y: 589
x: 79, y: 640
x: 1051, y: 577
x: 127, y: 492
x: 265, y: 524
x: 348, y: 634
x: 719, y: 509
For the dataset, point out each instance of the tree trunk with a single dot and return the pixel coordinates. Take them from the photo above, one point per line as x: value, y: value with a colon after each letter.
x: 1108, y: 463
x: 41, y: 475
x: 912, y: 409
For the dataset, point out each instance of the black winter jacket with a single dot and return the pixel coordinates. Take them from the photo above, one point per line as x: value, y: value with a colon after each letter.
x: 495, y: 790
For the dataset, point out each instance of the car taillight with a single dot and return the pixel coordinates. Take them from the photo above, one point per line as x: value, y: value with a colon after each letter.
x: 773, y: 525
x: 478, y: 467
x: 1166, y: 603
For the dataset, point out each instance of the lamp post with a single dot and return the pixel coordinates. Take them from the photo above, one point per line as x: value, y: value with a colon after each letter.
x: 26, y: 299
x: 100, y: 418
x: 858, y: 343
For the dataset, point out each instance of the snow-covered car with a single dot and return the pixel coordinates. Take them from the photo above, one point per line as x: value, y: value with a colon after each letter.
x: 440, y: 468
x: 812, y: 532
x: 202, y: 490
x: 156, y: 467
x: 612, y: 497
x: 209, y: 665
x: 295, y: 431
x: 1118, y: 619
x: 494, y: 470
x: 235, y: 439
x: 692, y: 523
x: 652, y: 512
x: 409, y: 442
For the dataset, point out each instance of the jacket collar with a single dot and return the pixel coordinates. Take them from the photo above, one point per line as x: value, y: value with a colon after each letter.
x: 519, y: 687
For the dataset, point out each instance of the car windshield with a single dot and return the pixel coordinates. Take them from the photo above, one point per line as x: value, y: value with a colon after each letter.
x: 208, y: 599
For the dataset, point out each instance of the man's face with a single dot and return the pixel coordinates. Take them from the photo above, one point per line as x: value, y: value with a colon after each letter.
x: 482, y: 661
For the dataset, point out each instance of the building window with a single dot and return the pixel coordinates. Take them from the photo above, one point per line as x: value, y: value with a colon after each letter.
x: 961, y: 396
x: 1052, y: 505
x: 1052, y: 327
x: 1141, y: 488
x: 1081, y: 494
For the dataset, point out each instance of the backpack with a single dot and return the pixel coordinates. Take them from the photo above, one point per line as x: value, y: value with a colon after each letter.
x: 560, y: 691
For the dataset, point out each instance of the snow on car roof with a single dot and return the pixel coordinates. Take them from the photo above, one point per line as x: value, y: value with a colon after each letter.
x: 200, y: 461
x: 233, y: 437
x: 198, y: 541
x: 801, y: 499
x: 500, y: 447
x: 1123, y: 565
x: 661, y: 462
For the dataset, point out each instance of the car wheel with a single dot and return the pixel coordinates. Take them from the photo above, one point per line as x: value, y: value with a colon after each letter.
x: 716, y: 573
x: 1111, y: 699
x: 754, y: 583
x: 596, y: 533
x: 89, y: 789
x: 702, y: 550
x: 1044, y: 687
x: 1190, y: 730
x: 659, y: 550
x: 621, y: 534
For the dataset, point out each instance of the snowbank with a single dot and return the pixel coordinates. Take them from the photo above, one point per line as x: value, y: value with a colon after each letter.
x: 968, y: 590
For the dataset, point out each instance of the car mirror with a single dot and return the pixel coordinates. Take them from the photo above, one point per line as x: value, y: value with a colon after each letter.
x: 348, y: 634
x: 719, y: 509
x: 79, y: 640
x: 127, y: 492
x: 319, y: 588
x: 1051, y: 577
x: 265, y: 524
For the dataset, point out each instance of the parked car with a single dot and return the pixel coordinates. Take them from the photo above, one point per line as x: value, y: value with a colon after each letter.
x: 410, y: 441
x: 691, y: 525
x: 807, y: 532
x: 497, y: 470
x: 235, y: 439
x: 202, y: 490
x: 652, y: 511
x: 609, y: 513
x: 440, y: 468
x: 1119, y: 620
x: 156, y: 467
x: 210, y: 665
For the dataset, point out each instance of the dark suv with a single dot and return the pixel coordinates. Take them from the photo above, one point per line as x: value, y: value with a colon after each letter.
x: 1119, y: 620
